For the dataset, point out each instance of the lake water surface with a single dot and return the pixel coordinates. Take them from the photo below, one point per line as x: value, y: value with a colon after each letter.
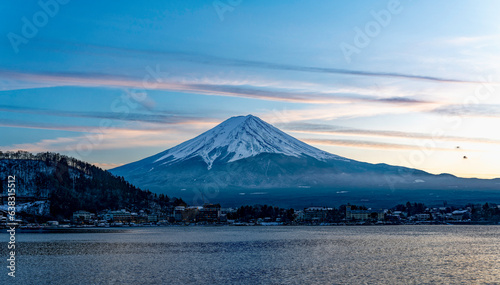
x: 260, y: 255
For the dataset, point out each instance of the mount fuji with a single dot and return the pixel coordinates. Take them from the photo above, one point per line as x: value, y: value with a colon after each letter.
x: 246, y: 160
x: 239, y: 138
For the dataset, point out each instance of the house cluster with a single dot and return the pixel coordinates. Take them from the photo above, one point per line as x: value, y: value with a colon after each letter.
x: 364, y: 215
x: 432, y: 214
x: 316, y: 215
x: 210, y: 213
x: 118, y: 217
x: 326, y: 215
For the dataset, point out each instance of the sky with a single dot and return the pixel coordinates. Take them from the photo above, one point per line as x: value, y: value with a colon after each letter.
x: 410, y: 83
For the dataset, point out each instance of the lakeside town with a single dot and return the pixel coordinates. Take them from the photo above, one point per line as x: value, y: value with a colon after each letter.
x: 264, y: 215
x: 58, y: 191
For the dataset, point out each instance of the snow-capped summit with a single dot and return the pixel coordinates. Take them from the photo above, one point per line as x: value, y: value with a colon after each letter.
x: 237, y: 138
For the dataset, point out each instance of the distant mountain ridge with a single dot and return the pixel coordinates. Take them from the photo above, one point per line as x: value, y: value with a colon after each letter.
x: 245, y: 159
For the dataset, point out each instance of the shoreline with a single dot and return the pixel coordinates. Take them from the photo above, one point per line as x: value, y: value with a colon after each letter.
x: 126, y: 228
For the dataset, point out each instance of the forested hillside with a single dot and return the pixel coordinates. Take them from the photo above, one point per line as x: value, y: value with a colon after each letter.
x: 69, y: 184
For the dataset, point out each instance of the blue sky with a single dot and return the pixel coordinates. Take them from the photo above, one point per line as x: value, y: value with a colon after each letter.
x: 412, y: 83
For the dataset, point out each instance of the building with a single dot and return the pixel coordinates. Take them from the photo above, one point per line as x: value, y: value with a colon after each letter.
x: 190, y: 214
x: 422, y: 217
x: 119, y: 216
x: 83, y: 216
x: 209, y: 212
x: 459, y: 215
x: 363, y: 215
x: 400, y: 214
x: 152, y: 218
x: 107, y: 217
x: 178, y: 211
x: 299, y: 215
x: 228, y: 210
x: 316, y: 214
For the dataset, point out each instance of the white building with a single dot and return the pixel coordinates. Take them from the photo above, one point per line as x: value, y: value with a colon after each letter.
x: 83, y: 216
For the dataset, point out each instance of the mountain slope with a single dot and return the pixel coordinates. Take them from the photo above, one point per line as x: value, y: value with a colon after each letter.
x: 245, y: 155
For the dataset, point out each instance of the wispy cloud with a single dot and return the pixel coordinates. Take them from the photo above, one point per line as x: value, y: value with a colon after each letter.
x: 364, y: 144
x: 151, y: 117
x: 358, y: 144
x: 205, y: 59
x: 349, y: 110
x: 110, y: 139
x: 181, y: 127
x: 106, y: 80
x: 477, y: 110
x: 43, y: 126
x: 287, y: 67
x: 337, y: 130
x: 461, y: 41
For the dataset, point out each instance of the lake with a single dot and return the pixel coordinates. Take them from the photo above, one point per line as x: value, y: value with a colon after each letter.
x: 259, y: 255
